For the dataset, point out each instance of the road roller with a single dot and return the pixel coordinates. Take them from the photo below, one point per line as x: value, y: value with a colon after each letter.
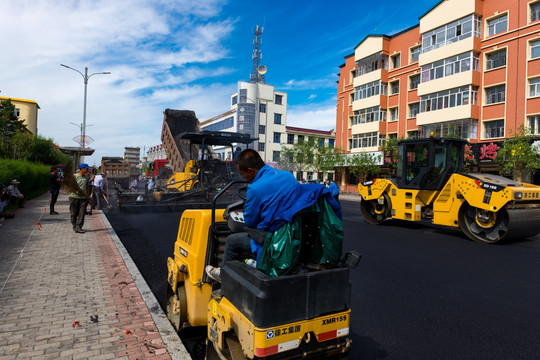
x: 430, y: 185
x: 301, y: 313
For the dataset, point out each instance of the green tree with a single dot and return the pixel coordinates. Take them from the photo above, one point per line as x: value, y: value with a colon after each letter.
x: 364, y: 165
x: 9, y: 126
x: 518, y: 157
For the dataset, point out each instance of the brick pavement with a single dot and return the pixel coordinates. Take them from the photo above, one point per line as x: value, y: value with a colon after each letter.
x: 65, y: 295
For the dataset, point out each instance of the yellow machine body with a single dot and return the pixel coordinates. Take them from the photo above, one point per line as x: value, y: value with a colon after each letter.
x: 184, y: 181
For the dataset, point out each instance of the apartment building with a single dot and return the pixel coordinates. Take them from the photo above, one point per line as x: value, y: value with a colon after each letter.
x: 469, y: 68
x: 26, y: 110
x: 324, y: 138
x: 256, y: 109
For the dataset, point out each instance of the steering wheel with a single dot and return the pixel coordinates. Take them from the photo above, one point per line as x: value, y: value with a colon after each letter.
x: 242, y: 193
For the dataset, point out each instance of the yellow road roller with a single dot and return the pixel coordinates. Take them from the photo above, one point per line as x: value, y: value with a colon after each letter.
x: 252, y: 315
x: 430, y: 184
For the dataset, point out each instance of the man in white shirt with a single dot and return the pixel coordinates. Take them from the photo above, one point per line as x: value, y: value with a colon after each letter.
x: 15, y: 193
x: 99, y: 189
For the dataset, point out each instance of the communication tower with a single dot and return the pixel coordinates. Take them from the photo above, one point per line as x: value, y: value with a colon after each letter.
x: 258, y: 70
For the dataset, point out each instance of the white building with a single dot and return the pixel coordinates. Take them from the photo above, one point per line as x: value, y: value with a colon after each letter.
x: 256, y: 109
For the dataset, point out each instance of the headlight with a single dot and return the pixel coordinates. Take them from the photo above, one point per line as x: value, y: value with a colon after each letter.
x: 518, y: 195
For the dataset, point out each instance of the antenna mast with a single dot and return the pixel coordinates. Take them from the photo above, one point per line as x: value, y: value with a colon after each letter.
x: 258, y: 70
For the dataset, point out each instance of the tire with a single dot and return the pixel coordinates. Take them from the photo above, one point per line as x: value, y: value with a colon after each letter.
x: 482, y: 226
x: 177, y: 306
x: 374, y: 212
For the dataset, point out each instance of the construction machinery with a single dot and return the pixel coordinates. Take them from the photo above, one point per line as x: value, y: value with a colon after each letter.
x: 253, y: 315
x: 430, y: 184
x: 204, y: 171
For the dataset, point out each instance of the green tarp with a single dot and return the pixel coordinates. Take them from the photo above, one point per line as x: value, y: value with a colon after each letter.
x: 282, y: 249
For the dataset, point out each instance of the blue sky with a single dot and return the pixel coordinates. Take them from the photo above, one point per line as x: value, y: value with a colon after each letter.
x: 180, y: 54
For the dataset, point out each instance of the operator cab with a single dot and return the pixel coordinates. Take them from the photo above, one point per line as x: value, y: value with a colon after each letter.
x: 427, y: 164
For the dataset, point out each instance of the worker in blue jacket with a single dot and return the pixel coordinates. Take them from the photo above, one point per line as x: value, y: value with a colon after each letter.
x: 272, y: 199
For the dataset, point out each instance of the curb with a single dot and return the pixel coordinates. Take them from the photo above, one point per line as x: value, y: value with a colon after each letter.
x: 174, y: 345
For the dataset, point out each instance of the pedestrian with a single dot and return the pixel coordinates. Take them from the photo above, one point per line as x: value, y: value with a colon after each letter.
x: 334, y: 190
x: 236, y: 153
x: 133, y: 184
x: 15, y: 194
x: 55, y: 182
x: 78, y: 198
x: 151, y: 184
x: 99, y: 189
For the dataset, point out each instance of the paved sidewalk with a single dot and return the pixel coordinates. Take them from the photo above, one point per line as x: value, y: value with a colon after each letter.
x: 65, y: 295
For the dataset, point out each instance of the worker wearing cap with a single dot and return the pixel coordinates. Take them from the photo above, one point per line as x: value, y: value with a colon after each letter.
x: 77, y: 199
x: 15, y: 194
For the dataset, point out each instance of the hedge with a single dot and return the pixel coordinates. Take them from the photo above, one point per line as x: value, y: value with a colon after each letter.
x: 33, y: 177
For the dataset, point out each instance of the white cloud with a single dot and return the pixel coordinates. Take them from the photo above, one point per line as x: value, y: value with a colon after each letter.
x: 320, y: 118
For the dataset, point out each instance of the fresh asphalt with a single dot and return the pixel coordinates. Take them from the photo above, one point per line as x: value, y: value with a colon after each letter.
x: 420, y: 291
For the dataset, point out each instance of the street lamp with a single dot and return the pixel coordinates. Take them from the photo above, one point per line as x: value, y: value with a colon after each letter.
x: 80, y: 126
x: 85, y: 78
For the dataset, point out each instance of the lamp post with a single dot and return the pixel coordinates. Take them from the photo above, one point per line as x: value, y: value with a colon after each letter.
x: 80, y: 126
x: 85, y: 78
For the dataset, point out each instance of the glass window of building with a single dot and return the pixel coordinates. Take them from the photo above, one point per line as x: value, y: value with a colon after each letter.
x: 277, y: 137
x: 534, y: 87
x: 262, y: 129
x: 450, y: 33
x: 535, y: 49
x: 534, y: 124
x: 372, y: 139
x: 321, y: 142
x: 279, y: 99
x: 300, y: 138
x: 277, y: 118
x: 261, y: 146
x: 464, y: 95
x: 450, y: 66
x: 535, y: 11
x: 368, y: 115
x: 371, y: 63
x: 290, y: 138
x: 495, y: 94
x: 234, y: 100
x: 331, y: 143
x: 414, y: 80
x: 497, y: 25
x: 464, y: 128
x: 262, y: 108
x: 496, y: 59
x: 394, y: 113
x: 413, y: 134
x: 394, y: 87
x: 395, y: 60
x: 414, y: 109
x: 369, y: 89
x: 275, y: 156
x: 494, y: 129
x: 415, y: 53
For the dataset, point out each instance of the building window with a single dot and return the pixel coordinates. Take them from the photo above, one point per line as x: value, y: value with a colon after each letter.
x: 370, y: 89
x: 464, y: 95
x: 450, y: 66
x: 300, y: 139
x: 395, y: 60
x: 234, y: 100
x: 331, y: 143
x: 368, y: 115
x: 464, y: 128
x: 413, y: 134
x: 277, y: 118
x: 262, y: 108
x: 394, y: 113
x: 277, y: 137
x: 497, y: 25
x: 394, y: 87
x: 262, y: 129
x: 371, y: 63
x: 534, y: 87
x: 414, y: 109
x: 279, y: 99
x: 450, y: 33
x: 495, y: 94
x: 321, y: 142
x: 494, y: 129
x: 221, y: 125
x: 535, y: 49
x: 275, y: 156
x: 290, y: 138
x: 372, y: 139
x: 534, y: 124
x: 415, y: 53
x: 496, y: 59
x: 261, y: 146
x: 414, y: 80
x: 17, y: 112
x: 535, y: 11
